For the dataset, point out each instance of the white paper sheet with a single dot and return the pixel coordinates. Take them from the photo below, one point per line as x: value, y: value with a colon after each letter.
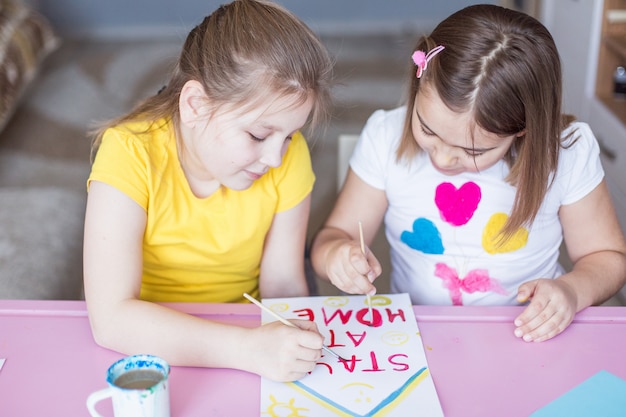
x: 385, y: 372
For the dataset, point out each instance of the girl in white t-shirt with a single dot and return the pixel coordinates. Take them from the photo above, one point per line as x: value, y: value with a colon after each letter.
x: 479, y: 178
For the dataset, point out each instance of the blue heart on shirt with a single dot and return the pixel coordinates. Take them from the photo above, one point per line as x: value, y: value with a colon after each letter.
x: 425, y: 237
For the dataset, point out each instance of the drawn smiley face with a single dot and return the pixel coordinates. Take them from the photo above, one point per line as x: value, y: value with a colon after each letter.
x: 379, y: 300
x: 336, y: 302
x: 279, y: 307
x: 395, y: 338
x: 359, y: 392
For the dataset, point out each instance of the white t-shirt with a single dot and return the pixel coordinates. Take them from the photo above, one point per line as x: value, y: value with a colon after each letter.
x: 440, y: 228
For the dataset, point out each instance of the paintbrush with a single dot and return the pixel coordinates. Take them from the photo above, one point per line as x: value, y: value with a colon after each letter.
x: 369, y: 298
x: 285, y: 321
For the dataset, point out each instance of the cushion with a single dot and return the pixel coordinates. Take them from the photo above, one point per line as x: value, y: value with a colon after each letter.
x: 26, y: 38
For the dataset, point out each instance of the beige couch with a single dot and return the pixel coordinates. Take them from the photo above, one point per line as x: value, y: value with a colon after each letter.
x: 40, y: 222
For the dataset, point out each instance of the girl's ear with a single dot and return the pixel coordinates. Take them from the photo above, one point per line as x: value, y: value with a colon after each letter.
x: 193, y: 103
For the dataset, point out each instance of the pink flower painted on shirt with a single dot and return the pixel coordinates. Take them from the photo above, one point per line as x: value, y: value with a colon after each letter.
x: 475, y: 280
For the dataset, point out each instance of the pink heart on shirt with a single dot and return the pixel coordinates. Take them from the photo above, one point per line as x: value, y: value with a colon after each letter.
x: 457, y: 206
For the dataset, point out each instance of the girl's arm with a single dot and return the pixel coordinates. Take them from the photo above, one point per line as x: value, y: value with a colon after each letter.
x: 114, y: 228
x: 336, y: 251
x: 282, y: 266
x: 596, y: 246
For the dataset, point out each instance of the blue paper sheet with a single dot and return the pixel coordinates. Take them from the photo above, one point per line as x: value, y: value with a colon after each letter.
x: 602, y: 395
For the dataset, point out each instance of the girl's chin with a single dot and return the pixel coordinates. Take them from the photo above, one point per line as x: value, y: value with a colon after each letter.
x: 448, y: 172
x: 239, y: 184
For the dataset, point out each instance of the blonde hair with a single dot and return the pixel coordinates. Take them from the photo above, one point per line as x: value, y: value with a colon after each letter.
x: 504, y: 67
x: 243, y: 51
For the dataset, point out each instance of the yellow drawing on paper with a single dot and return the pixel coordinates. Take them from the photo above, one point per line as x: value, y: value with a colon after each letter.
x: 380, y: 410
x: 359, y: 394
x: 279, y: 307
x: 281, y: 409
x: 336, y: 301
x: 395, y: 338
x: 380, y: 300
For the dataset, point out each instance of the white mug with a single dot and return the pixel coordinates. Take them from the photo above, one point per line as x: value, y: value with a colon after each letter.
x: 138, y: 387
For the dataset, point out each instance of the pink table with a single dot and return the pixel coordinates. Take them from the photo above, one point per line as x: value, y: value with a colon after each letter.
x: 479, y: 367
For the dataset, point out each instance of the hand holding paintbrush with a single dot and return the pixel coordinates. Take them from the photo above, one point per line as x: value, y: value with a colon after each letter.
x: 342, y: 257
x: 284, y: 320
x: 281, y: 352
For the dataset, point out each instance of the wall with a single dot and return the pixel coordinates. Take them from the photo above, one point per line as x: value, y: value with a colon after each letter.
x: 149, y: 18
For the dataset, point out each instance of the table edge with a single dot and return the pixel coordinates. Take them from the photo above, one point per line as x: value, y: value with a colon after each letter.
x: 422, y: 313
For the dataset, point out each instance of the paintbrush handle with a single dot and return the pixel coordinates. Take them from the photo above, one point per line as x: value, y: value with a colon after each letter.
x: 362, y: 241
x: 369, y: 298
x: 269, y: 311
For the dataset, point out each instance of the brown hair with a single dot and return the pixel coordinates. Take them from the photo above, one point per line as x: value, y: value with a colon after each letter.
x: 240, y: 53
x: 503, y: 66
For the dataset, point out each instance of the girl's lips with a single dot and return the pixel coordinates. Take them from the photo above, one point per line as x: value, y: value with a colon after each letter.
x: 254, y: 175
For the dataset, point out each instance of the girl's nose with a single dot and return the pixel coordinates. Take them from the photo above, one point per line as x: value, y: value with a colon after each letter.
x: 443, y: 158
x: 272, y: 155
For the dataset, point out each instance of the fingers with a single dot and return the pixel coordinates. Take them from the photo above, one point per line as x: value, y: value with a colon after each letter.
x: 352, y: 271
x: 524, y: 292
x: 375, y: 268
x: 307, y: 325
x: 288, y: 353
x: 538, y: 323
x: 362, y: 270
x: 550, y: 311
x: 306, y: 351
x: 309, y: 337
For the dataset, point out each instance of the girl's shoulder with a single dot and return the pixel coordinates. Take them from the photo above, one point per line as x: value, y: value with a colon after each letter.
x: 387, y: 120
x: 579, y: 168
x: 142, y: 128
x: 146, y: 144
x: 578, y: 135
x: 384, y: 128
x: 374, y: 157
x: 578, y: 146
x: 141, y: 136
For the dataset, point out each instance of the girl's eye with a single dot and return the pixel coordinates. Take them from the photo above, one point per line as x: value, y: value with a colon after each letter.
x: 426, y: 132
x: 256, y: 138
x: 473, y: 153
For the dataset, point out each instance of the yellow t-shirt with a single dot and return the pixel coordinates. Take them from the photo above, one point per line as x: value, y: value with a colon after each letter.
x: 197, y: 250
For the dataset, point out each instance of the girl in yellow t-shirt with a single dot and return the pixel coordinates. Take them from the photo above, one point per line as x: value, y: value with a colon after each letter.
x: 202, y: 193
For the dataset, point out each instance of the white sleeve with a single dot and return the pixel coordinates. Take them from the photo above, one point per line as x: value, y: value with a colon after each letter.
x: 580, y: 169
x: 376, y: 147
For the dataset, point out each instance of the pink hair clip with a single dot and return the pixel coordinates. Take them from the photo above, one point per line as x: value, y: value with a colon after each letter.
x: 421, y: 59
